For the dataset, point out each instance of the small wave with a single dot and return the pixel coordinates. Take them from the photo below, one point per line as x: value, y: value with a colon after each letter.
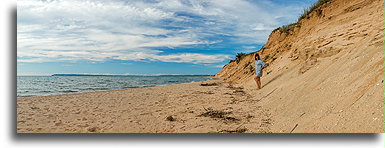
x: 45, y: 91
x: 68, y: 91
x: 102, y: 88
x: 129, y: 87
x: 53, y: 85
x: 23, y: 91
x: 25, y: 96
x: 89, y: 88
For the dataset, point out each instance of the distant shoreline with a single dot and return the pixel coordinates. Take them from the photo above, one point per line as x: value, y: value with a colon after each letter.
x: 71, y: 93
x: 76, y: 91
x: 118, y: 75
x: 122, y: 75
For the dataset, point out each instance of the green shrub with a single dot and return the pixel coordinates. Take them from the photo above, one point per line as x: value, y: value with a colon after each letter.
x: 266, y: 57
x: 305, y: 14
x: 251, y: 68
x: 239, y: 56
x: 286, y: 28
x: 307, y: 11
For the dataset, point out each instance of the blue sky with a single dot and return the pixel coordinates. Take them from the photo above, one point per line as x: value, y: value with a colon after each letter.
x: 144, y: 37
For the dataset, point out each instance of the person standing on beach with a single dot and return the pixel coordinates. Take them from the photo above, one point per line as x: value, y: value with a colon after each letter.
x: 259, y: 66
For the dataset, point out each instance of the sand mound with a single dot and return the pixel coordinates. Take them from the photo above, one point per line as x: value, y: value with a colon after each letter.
x: 325, y: 74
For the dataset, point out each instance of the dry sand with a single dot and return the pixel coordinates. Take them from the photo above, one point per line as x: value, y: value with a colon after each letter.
x: 324, y: 76
x: 179, y: 108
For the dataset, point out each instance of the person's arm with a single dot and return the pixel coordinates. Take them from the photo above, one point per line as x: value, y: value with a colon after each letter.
x: 264, y: 65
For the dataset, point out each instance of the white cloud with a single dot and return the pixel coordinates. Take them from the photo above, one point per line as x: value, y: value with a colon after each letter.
x: 192, y: 58
x: 219, y: 66
x: 126, y: 63
x: 249, y: 47
x: 70, y: 30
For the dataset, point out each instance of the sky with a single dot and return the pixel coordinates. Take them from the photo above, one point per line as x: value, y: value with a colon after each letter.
x: 144, y: 37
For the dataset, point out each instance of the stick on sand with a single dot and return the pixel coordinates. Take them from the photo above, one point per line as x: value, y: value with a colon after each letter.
x: 294, y: 128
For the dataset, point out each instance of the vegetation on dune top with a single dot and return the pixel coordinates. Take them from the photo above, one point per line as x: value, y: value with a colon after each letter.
x: 316, y: 5
x: 239, y: 56
x: 288, y: 28
x: 305, y: 14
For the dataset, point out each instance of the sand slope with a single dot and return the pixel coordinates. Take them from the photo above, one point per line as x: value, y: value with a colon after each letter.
x: 326, y: 75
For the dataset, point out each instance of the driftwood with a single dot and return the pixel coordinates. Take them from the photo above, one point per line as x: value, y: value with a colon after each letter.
x: 209, y: 84
x: 294, y: 128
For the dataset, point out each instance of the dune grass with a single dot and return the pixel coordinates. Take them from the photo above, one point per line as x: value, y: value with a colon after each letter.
x: 288, y: 28
x: 307, y: 11
x: 305, y: 14
x: 239, y: 56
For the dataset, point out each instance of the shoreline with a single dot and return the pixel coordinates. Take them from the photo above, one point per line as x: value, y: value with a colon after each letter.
x: 191, y: 107
x: 209, y: 78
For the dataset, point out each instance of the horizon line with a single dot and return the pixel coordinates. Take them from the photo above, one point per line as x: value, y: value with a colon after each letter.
x: 108, y: 74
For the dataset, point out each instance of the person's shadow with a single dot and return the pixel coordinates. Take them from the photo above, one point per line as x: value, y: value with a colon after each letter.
x: 273, y: 79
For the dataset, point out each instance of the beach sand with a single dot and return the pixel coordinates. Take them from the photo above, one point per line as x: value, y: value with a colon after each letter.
x: 180, y: 108
x: 325, y: 76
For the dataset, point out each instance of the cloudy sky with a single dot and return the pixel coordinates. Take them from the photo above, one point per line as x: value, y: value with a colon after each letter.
x: 144, y: 36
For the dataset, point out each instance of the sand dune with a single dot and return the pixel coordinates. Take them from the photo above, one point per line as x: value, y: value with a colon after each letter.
x: 326, y: 75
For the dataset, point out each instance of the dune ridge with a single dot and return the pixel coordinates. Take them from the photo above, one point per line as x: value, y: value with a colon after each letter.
x: 325, y: 73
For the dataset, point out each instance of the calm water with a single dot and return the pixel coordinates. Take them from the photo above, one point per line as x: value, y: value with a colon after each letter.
x: 50, y: 85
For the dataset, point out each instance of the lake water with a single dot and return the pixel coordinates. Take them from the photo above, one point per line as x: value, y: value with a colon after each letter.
x: 52, y: 85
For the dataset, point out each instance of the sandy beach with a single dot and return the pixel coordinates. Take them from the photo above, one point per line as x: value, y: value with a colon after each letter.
x: 200, y: 107
x: 325, y: 75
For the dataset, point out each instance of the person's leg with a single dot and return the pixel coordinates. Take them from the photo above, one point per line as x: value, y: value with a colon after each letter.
x: 258, y: 81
